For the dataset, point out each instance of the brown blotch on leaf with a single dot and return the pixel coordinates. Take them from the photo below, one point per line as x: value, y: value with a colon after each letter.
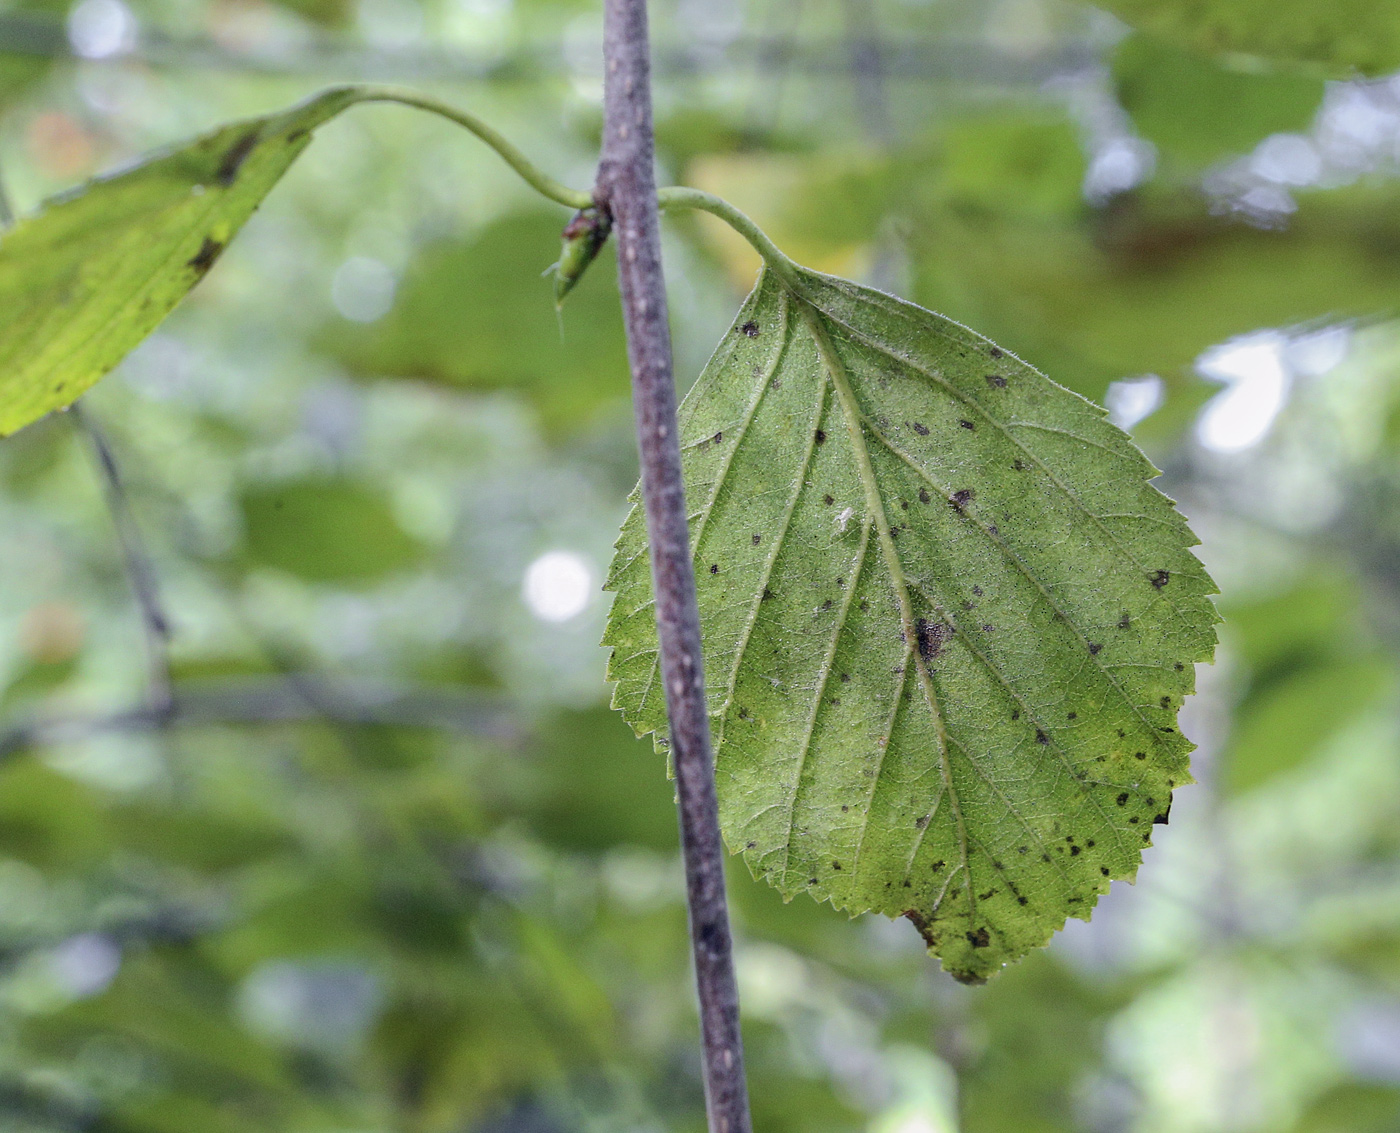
x: 931, y: 636
x: 234, y: 157
x: 750, y: 328
x: 979, y: 939
x: 204, y: 259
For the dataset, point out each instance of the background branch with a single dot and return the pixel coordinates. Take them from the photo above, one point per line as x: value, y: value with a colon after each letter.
x: 139, y: 571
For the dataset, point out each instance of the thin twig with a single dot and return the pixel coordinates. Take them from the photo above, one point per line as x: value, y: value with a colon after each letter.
x: 273, y: 700
x: 139, y: 572
x: 627, y: 189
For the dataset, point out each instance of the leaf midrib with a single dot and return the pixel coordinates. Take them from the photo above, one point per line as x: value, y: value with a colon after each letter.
x: 855, y: 425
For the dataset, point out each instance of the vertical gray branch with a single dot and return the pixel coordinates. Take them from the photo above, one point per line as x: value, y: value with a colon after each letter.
x: 627, y: 189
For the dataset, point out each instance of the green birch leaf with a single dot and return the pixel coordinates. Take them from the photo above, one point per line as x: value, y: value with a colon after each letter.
x: 90, y: 275
x: 948, y: 622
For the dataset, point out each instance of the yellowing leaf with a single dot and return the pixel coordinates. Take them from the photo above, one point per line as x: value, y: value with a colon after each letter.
x: 87, y: 278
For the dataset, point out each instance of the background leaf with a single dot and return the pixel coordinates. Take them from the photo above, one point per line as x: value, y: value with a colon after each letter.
x: 1337, y: 38
x: 87, y: 278
x: 948, y: 623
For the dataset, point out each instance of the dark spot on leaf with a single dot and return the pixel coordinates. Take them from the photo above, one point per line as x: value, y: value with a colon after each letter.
x: 835, y: 865
x: 1022, y: 849
x: 234, y: 157
x: 1103, y: 869
x: 987, y: 629
x: 1178, y: 666
x: 1072, y: 716
x: 1161, y: 819
x: 821, y: 437
x: 811, y: 881
x: 923, y: 495
x: 931, y: 636
x: 1090, y: 843
x: 996, y: 381
x: 904, y: 504
x: 204, y: 259
x: 1041, y: 737
x: 827, y: 604
x: 714, y: 568
x: 987, y: 896
x: 992, y: 529
x: 968, y: 425
x: 864, y: 605
x: 1074, y: 851
x: 977, y: 590
x: 920, y: 428
x: 751, y: 846
x: 1166, y: 702
x: 750, y: 328
x: 718, y: 437
x: 844, y: 808
x: 1094, y: 647
x: 1133, y: 821
x: 757, y: 539
x: 995, y: 352
x: 1123, y: 798
x: 1016, y: 714
x: 1160, y: 578
x: 841, y: 582
x: 959, y: 499
x: 845, y: 678
x: 1045, y: 857
x: 1124, y: 622
x: 1139, y: 755
x: 979, y: 939
x: 922, y: 821
x: 767, y: 594
x: 939, y: 864
x: 828, y: 500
